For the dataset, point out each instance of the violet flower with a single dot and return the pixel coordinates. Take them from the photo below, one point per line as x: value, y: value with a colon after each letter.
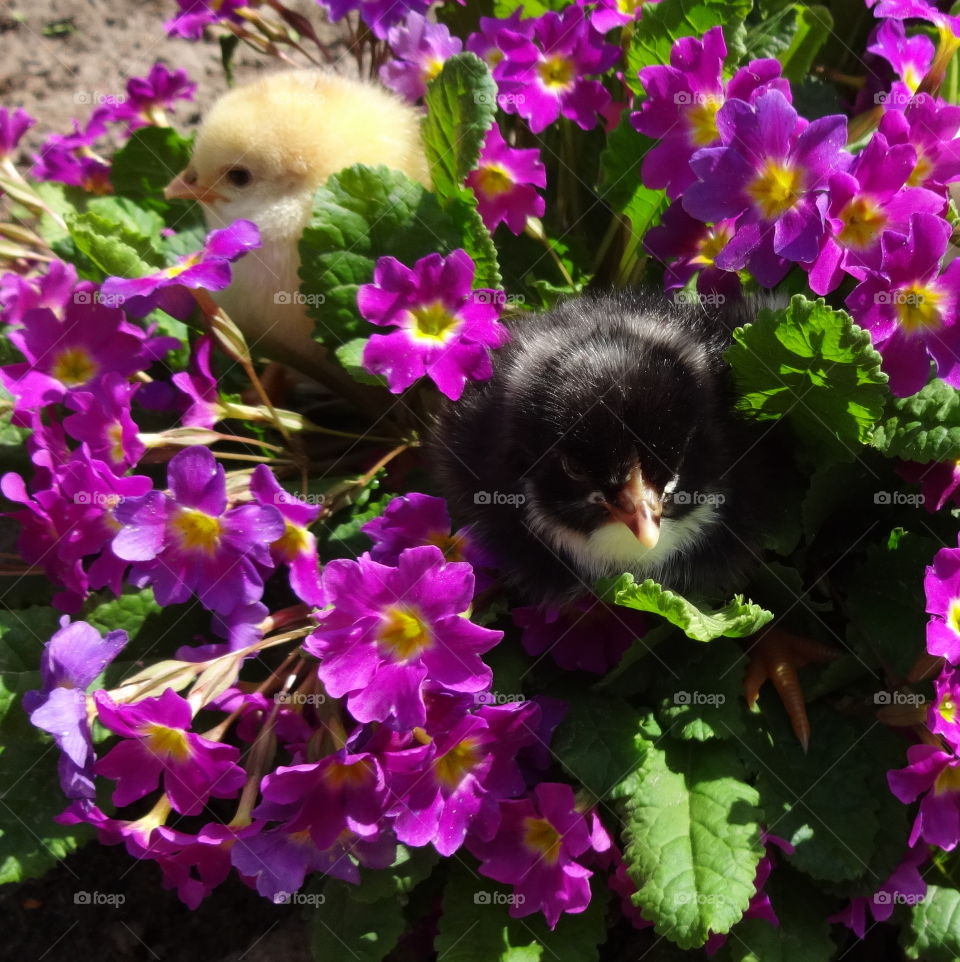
x: 421, y: 48
x: 935, y: 775
x: 930, y: 125
x: 13, y: 125
x: 379, y: 15
x: 910, y: 57
x: 103, y: 421
x: 942, y: 587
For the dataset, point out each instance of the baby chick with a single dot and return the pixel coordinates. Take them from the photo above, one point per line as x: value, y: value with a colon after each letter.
x: 606, y: 442
x: 260, y: 154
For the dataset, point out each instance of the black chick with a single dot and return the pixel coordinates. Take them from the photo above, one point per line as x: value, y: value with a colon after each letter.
x: 606, y: 441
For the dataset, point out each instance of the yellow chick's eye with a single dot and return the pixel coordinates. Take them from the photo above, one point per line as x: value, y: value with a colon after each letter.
x: 239, y: 176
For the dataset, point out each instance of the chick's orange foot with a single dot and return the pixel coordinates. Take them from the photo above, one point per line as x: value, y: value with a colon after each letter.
x: 777, y: 655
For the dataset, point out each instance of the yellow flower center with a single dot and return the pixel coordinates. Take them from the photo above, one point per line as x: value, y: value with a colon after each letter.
x: 494, y: 56
x: 540, y: 836
x: 629, y: 6
x: 917, y: 308
x: 74, y: 365
x: 911, y: 78
x: 166, y: 742
x: 433, y: 322
x: 921, y: 170
x: 776, y: 189
x: 453, y: 766
x: 862, y: 222
x: 115, y: 437
x: 294, y: 541
x: 432, y: 70
x: 953, y: 616
x: 354, y: 775
x: 948, y: 710
x: 177, y: 269
x: 947, y: 781
x: 557, y: 73
x: 715, y: 240
x: 403, y: 632
x: 702, y: 117
x: 196, y: 530
x: 452, y: 545
x: 493, y: 180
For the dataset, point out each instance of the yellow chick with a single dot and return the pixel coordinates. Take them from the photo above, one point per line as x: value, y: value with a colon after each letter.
x: 261, y: 152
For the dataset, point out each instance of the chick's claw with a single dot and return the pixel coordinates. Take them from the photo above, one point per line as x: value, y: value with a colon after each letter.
x: 776, y: 656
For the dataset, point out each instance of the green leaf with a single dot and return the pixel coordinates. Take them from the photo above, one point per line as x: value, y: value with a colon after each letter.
x: 475, y: 926
x: 30, y: 795
x: 706, y: 700
x: 596, y: 741
x: 350, y: 355
x: 530, y: 8
x: 666, y: 22
x: 476, y: 239
x: 361, y: 214
x: 342, y: 927
x: 116, y: 247
x: 813, y: 29
x: 815, y: 366
x: 933, y: 931
x: 922, y: 427
x: 736, y: 619
x: 461, y: 104
x: 692, y: 839
x: 825, y: 802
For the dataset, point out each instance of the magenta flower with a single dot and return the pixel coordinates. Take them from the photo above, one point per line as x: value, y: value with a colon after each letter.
x: 918, y: 10
x: 390, y: 630
x: 70, y: 158
x: 70, y: 662
x: 586, y: 635
x: 940, y: 481
x: 208, y: 269
x: 607, y: 15
x: 687, y: 246
x: 445, y: 329
x: 421, y: 49
x: 930, y: 125
x: 195, y: 15
x: 543, y: 82
x: 199, y: 384
x: 54, y: 289
x: 942, y: 587
x: 905, y: 885
x: 148, y: 96
x: 103, y: 420
x: 68, y: 354
x: 935, y: 774
x: 158, y: 743
x: 682, y: 104
x: 864, y: 202
x: 772, y: 170
x: 472, y: 766
x: 13, y: 125
x: 497, y: 39
x: 910, y: 57
x: 189, y: 541
x: 535, y: 850
x: 297, y: 546
x: 377, y: 14
x: 505, y: 182
x: 942, y: 716
x: 910, y: 308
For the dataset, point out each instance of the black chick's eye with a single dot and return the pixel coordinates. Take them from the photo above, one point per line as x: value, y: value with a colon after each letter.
x: 239, y: 176
x: 573, y: 469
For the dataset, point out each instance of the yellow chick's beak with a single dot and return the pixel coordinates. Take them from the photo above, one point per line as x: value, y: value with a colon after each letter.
x: 181, y: 188
x: 639, y: 507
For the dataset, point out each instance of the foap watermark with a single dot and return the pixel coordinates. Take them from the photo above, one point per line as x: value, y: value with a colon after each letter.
x: 501, y: 100
x: 289, y: 497
x: 908, y: 699
x: 897, y: 99
x: 699, y: 497
x: 97, y: 499
x: 498, y: 698
x: 501, y: 298
x: 686, y: 98
x: 713, y: 698
x: 298, y: 297
x: 898, y: 498
x: 898, y: 898
x: 98, y: 297
x: 299, y: 898
x: 499, y: 497
x: 498, y: 898
x: 696, y: 299
x: 699, y: 898
x: 900, y: 298
x: 299, y: 698
x: 99, y: 898
x: 96, y: 98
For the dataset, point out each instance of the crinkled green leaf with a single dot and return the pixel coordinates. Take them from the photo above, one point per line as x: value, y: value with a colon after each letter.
x: 922, y: 427
x: 933, y: 931
x: 825, y: 802
x: 475, y: 238
x: 735, y: 619
x: 115, y: 247
x: 706, y: 701
x: 666, y: 22
x: 596, y: 741
x: 474, y: 925
x: 461, y: 102
x: 30, y: 841
x: 350, y: 355
x: 692, y: 839
x: 361, y: 214
x: 530, y: 8
x: 813, y: 365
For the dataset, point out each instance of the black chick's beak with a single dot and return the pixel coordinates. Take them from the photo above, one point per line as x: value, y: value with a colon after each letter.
x: 639, y: 507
